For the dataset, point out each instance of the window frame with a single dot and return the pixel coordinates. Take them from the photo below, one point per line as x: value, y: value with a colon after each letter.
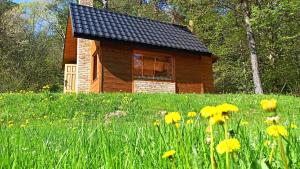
x: 154, y: 55
x: 95, y: 65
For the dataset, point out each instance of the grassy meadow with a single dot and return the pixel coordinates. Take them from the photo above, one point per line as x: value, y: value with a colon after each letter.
x: 48, y: 130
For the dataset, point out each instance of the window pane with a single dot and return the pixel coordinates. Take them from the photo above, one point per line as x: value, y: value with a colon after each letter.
x: 137, y: 65
x: 95, y: 66
x: 163, y: 68
x: 148, y: 66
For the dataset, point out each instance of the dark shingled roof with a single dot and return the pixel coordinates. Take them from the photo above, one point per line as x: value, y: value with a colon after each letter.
x: 92, y: 23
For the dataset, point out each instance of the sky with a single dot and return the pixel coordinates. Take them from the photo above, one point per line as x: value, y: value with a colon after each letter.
x: 20, y: 1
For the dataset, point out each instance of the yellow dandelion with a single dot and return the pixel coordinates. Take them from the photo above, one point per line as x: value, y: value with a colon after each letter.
x: 276, y: 131
x: 226, y: 108
x: 244, y: 123
x: 156, y: 123
x: 228, y: 145
x: 172, y: 117
x: 190, y: 121
x: 192, y: 114
x: 293, y: 126
x: 177, y: 125
x: 269, y: 105
x: 217, y: 119
x: 169, y: 154
x: 208, y: 111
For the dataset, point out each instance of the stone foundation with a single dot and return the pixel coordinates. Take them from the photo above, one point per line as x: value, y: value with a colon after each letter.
x: 144, y: 86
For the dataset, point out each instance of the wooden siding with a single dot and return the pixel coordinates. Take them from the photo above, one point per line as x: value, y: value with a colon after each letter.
x: 117, y: 67
x: 70, y: 49
x: 96, y: 83
x: 193, y: 74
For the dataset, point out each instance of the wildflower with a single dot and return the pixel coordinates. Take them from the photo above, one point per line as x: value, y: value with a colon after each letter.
x: 226, y: 108
x: 228, y: 146
x: 217, y: 119
x: 269, y: 105
x: 244, y: 123
x: 46, y: 87
x: 208, y: 111
x: 177, y: 125
x: 172, y: 117
x: 192, y: 114
x: 277, y: 130
x: 169, y: 154
x: 272, y: 120
x: 293, y: 126
x: 190, y: 121
x: 156, y: 123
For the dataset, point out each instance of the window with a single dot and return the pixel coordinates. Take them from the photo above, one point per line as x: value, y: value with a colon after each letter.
x: 152, y: 67
x: 95, y: 66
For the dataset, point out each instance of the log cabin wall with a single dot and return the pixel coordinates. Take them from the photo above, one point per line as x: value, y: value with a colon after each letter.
x: 96, y: 82
x: 193, y: 74
x: 117, y: 66
x: 70, y: 48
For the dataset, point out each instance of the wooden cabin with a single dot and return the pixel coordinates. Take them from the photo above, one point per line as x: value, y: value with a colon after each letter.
x: 112, y: 52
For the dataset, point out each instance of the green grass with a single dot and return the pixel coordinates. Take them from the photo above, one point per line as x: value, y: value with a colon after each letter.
x: 69, y: 131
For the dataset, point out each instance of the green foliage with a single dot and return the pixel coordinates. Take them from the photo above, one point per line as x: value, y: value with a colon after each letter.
x: 31, y: 52
x: 58, y: 131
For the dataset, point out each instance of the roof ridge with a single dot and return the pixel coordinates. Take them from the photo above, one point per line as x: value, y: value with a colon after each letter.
x: 142, y: 18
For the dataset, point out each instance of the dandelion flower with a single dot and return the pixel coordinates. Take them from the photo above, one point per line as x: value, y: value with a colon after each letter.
x: 156, y: 123
x: 294, y: 126
x: 192, y: 114
x: 276, y: 131
x: 172, y: 117
x: 217, y: 119
x: 228, y: 146
x: 190, y: 121
x: 208, y: 111
x: 177, y: 125
x: 226, y: 108
x: 169, y: 154
x: 269, y: 105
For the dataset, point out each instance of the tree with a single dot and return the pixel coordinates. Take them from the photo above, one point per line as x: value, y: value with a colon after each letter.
x: 252, y: 48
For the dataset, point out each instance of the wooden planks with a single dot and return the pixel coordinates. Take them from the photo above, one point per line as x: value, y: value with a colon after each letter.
x: 193, y: 74
x: 70, y: 78
x: 70, y: 49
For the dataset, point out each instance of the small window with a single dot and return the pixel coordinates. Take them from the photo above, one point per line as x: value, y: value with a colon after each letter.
x: 152, y: 67
x: 95, y: 66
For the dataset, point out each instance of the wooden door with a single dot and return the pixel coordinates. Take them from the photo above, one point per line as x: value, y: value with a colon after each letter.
x: 70, y: 78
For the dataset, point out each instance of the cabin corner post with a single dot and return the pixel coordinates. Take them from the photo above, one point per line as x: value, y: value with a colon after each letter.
x: 83, y: 78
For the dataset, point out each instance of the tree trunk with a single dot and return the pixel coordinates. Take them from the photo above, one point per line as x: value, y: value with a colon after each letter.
x: 252, y: 48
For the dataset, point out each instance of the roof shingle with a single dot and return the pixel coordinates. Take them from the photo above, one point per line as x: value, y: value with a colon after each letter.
x: 88, y: 22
